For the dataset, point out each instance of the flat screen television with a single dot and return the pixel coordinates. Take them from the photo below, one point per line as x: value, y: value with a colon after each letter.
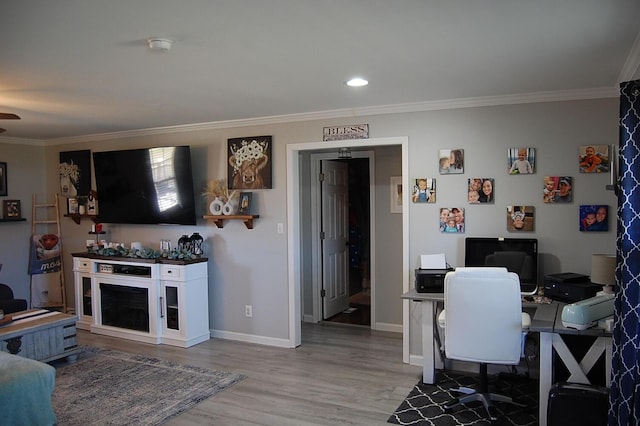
x: 519, y: 255
x: 145, y: 186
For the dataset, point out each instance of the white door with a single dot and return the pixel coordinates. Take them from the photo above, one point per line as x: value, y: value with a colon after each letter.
x: 335, y: 242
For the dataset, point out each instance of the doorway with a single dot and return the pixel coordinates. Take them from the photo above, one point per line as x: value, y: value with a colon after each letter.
x: 358, y: 310
x: 300, y: 231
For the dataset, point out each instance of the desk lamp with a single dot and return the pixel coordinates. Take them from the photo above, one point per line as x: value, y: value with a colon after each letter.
x: 603, y: 271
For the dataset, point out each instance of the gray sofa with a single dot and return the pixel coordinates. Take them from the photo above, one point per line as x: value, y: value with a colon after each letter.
x: 26, y: 386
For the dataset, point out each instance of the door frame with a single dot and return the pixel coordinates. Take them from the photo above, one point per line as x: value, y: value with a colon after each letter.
x: 316, y: 216
x: 294, y: 243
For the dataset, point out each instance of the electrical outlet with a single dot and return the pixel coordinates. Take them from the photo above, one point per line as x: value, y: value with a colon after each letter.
x: 248, y: 311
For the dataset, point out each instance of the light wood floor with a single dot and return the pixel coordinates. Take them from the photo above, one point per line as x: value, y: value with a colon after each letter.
x: 340, y: 375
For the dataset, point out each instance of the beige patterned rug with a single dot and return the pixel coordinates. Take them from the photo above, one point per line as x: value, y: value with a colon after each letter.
x: 117, y: 388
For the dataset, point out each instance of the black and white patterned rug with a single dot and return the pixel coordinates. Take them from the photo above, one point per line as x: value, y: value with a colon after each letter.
x: 424, y: 404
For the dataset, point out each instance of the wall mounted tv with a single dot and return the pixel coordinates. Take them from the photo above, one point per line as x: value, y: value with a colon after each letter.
x: 519, y: 255
x: 145, y: 186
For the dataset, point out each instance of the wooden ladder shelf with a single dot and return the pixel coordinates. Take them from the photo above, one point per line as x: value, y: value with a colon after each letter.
x: 41, y: 215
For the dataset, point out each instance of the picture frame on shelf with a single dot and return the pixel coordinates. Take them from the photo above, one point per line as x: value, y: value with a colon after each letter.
x: 72, y: 205
x: 3, y: 179
x: 245, y: 203
x: 11, y: 209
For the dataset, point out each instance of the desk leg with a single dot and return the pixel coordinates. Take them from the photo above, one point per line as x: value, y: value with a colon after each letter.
x: 608, y: 359
x: 546, y: 375
x: 430, y: 352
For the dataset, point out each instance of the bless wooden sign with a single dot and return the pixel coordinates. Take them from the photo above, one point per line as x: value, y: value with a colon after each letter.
x: 338, y: 133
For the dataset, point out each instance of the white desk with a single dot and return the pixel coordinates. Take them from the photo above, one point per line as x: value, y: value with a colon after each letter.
x: 546, y: 321
x: 431, y: 356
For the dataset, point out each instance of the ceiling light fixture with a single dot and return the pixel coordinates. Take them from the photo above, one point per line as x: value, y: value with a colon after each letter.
x: 159, y: 44
x: 357, y: 82
x: 344, y: 152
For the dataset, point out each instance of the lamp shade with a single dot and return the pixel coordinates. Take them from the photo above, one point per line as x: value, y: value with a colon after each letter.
x: 603, y: 269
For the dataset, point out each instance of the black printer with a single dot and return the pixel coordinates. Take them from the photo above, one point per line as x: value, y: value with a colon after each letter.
x: 569, y: 287
x: 431, y: 280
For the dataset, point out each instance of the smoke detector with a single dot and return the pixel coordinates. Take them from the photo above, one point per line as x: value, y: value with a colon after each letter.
x: 159, y: 44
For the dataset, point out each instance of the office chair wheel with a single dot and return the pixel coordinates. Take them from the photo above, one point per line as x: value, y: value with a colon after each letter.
x: 449, y: 406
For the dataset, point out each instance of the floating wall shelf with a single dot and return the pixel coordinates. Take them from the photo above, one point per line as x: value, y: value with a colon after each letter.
x: 246, y: 218
x: 77, y: 217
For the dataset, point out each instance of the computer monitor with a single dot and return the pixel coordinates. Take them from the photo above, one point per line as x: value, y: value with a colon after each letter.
x: 519, y: 255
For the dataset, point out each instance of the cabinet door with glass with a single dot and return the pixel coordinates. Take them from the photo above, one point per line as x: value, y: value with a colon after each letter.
x: 185, y: 304
x: 84, y: 293
x: 171, y: 322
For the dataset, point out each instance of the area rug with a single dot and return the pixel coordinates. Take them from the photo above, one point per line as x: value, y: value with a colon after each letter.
x: 116, y: 388
x: 423, y: 405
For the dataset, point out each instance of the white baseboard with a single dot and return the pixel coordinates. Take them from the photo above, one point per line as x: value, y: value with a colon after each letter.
x: 381, y: 326
x: 307, y: 318
x: 250, y: 338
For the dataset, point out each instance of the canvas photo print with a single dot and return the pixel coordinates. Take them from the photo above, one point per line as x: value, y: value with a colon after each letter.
x: 424, y: 190
x: 520, y: 218
x: 521, y: 161
x: 75, y: 173
x: 249, y: 162
x: 480, y: 190
x: 451, y: 161
x: 451, y: 220
x: 594, y: 218
x: 594, y: 158
x: 557, y: 189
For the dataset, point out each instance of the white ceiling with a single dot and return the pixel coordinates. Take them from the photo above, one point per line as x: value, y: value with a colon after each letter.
x: 74, y: 68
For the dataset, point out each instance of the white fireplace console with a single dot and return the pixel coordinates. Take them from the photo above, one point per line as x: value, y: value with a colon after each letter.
x: 154, y: 301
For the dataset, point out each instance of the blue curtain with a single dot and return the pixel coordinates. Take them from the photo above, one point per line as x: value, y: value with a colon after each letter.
x: 625, y: 380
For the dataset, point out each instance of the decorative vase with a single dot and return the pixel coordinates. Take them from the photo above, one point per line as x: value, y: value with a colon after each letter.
x: 230, y: 207
x: 196, y: 243
x: 215, y: 207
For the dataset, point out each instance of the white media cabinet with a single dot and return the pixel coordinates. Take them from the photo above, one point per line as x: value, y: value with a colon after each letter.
x: 148, y: 300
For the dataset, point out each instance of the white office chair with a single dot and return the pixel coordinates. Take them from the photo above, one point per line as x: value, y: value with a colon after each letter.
x: 483, y: 323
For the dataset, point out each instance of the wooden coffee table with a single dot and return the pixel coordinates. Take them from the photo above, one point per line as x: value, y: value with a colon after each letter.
x: 39, y: 334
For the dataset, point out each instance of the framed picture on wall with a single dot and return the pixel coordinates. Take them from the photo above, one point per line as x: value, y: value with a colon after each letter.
x: 3, y: 179
x: 75, y: 173
x: 11, y: 209
x: 395, y: 184
x: 249, y: 163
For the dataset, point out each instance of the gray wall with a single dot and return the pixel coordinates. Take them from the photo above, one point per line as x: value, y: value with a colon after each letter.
x: 26, y: 176
x: 250, y: 266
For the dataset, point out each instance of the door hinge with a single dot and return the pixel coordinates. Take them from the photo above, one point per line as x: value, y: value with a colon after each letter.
x: 323, y: 292
x: 321, y: 177
x: 322, y: 235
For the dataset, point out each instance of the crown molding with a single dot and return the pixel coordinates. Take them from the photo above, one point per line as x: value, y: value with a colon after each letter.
x: 23, y: 141
x: 632, y: 64
x: 523, y: 98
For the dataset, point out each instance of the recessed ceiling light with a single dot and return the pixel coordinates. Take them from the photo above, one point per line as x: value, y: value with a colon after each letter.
x: 357, y: 82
